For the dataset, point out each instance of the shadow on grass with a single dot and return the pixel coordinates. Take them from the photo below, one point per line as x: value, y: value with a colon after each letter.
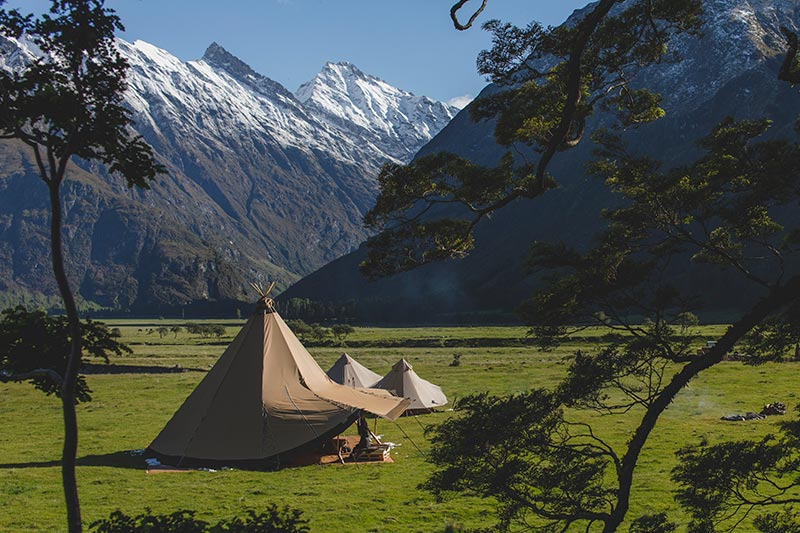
x: 91, y: 368
x: 122, y: 459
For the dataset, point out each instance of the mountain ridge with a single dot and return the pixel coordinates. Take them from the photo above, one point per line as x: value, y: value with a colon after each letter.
x: 257, y: 187
x: 715, y: 79
x: 394, y: 121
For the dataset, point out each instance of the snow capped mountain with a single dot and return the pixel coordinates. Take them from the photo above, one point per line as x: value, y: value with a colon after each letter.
x: 219, y: 96
x: 738, y: 35
x: 393, y: 122
x: 260, y: 184
x: 728, y: 70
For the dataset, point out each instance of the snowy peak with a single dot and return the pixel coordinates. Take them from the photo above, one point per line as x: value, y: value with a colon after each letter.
x: 755, y: 23
x: 393, y: 121
x: 259, y: 179
x: 736, y: 36
x: 219, y: 57
x: 216, y: 56
x: 345, y: 70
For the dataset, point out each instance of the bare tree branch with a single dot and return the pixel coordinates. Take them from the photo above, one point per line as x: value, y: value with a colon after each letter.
x: 454, y: 14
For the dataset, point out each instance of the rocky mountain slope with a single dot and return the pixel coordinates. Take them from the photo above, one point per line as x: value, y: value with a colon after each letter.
x: 393, y: 122
x: 260, y: 185
x: 730, y: 71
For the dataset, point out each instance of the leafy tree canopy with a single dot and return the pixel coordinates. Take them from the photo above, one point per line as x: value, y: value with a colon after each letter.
x: 727, y: 210
x: 274, y: 520
x: 552, y: 80
x: 721, y: 484
x: 68, y: 100
x: 64, y: 103
x: 34, y: 347
x: 728, y: 213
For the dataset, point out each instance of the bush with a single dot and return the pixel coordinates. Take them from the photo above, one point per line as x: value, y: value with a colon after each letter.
x: 273, y: 520
x: 32, y: 341
x: 193, y: 328
x: 177, y: 522
x: 656, y: 523
x: 205, y: 330
x: 319, y: 333
x: 341, y: 332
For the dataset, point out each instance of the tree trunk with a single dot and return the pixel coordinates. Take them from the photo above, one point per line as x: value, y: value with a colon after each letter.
x: 70, y: 450
x: 778, y: 298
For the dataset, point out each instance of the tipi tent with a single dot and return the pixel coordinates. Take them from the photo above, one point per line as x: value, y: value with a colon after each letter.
x: 348, y: 371
x: 403, y: 381
x: 265, y: 398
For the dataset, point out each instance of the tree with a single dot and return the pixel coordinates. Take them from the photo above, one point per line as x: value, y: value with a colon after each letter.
x: 68, y: 103
x: 32, y: 349
x: 319, y: 333
x: 299, y: 327
x: 273, y: 520
x: 722, y: 211
x: 341, y: 332
x: 193, y: 328
x: 217, y: 330
x: 725, y: 212
x: 553, y: 80
x: 723, y: 483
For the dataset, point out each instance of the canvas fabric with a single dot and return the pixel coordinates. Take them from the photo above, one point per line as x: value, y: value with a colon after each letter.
x: 403, y: 381
x: 348, y: 371
x: 265, y: 396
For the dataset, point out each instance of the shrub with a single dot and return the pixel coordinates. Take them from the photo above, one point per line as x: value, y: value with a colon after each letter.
x: 272, y: 520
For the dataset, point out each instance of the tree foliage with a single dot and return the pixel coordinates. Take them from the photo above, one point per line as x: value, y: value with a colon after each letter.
x: 721, y: 484
x: 551, y: 81
x: 68, y: 102
x: 204, y: 330
x: 728, y: 213
x: 724, y: 211
x: 340, y: 332
x: 521, y: 451
x: 34, y: 347
x: 273, y: 520
x: 728, y: 209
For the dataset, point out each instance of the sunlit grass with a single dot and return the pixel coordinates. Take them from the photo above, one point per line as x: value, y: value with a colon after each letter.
x: 129, y: 409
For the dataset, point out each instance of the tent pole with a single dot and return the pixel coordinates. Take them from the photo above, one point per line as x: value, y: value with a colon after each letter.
x: 338, y: 448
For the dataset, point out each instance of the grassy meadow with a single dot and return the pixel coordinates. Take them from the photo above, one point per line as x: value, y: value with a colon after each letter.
x: 130, y: 408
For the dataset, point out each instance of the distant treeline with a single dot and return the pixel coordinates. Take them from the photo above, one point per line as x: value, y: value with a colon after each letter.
x: 204, y: 330
x: 314, y: 311
x: 381, y: 311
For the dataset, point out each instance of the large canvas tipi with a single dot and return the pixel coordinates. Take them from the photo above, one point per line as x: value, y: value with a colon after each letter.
x: 265, y: 399
x: 350, y: 372
x: 403, y: 381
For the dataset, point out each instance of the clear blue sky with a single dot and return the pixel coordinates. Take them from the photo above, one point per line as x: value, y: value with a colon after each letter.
x: 409, y: 43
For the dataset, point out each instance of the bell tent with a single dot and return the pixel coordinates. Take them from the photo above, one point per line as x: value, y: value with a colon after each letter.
x: 348, y: 371
x: 265, y: 399
x: 403, y: 381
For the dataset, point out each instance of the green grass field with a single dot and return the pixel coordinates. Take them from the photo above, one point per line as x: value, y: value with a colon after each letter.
x: 129, y: 409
